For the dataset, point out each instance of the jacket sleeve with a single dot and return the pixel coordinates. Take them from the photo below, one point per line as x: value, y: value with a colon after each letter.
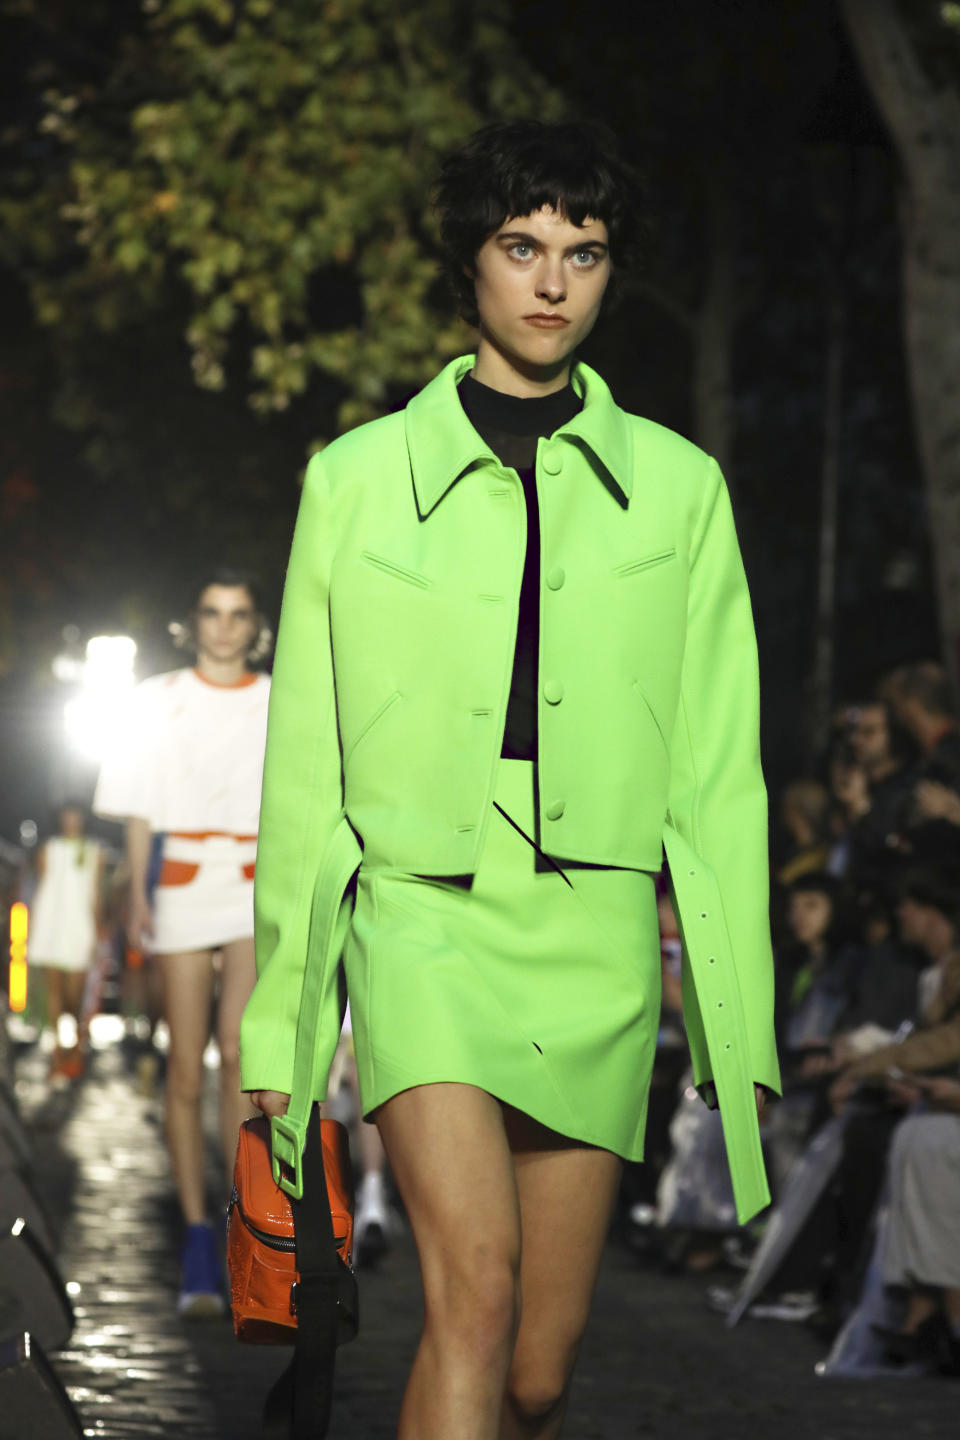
x: 301, y: 807
x: 933, y: 1049
x: 717, y: 798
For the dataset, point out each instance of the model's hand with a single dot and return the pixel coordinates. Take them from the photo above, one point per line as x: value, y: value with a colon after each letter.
x: 139, y: 921
x: 271, y: 1102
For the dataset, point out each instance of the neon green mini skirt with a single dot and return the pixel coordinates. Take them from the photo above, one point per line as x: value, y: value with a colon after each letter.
x: 540, y: 985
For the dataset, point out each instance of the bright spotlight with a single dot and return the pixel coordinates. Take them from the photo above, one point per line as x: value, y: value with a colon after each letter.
x: 93, y: 718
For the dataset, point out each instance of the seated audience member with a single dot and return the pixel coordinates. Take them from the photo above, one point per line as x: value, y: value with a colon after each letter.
x: 826, y: 1260
x: 921, y: 1251
x: 816, y: 983
x: 881, y: 750
x: 919, y: 696
x: 816, y: 969
x: 849, y: 803
x: 929, y: 916
x: 804, y: 814
x: 885, y: 995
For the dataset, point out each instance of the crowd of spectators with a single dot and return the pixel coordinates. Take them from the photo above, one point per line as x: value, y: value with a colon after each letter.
x: 866, y: 916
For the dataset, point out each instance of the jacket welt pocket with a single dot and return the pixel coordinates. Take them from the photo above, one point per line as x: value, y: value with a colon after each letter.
x: 377, y: 715
x: 399, y: 572
x: 646, y: 562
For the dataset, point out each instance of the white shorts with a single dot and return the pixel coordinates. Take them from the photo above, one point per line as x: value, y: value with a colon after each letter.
x: 204, y: 896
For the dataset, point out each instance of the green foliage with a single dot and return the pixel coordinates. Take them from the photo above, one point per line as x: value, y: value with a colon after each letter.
x: 273, y: 161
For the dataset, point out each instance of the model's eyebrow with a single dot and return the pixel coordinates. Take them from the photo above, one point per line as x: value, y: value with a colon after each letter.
x: 518, y: 236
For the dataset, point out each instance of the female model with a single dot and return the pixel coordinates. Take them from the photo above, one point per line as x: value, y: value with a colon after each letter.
x: 64, y: 920
x: 516, y: 658
x: 191, y: 772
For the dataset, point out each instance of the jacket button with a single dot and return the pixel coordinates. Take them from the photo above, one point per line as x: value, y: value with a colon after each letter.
x: 556, y: 577
x: 553, y: 692
x: 553, y: 462
x: 555, y: 809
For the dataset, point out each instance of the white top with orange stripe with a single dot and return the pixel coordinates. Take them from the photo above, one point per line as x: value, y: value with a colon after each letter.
x: 190, y: 758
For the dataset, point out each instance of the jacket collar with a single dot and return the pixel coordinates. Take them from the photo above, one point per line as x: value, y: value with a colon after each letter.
x: 443, y: 445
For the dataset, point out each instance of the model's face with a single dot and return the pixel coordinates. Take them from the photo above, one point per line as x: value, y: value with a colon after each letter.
x: 71, y: 824
x: 808, y: 915
x: 870, y: 736
x: 539, y: 282
x: 226, y: 623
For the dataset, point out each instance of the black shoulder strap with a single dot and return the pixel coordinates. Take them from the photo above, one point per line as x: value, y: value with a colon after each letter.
x: 298, y: 1406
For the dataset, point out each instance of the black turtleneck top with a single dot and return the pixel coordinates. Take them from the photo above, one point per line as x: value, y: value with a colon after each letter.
x: 511, y: 426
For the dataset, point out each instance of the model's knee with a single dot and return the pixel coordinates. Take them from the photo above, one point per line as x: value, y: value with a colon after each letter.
x: 184, y: 1081
x: 229, y: 1047
x: 539, y: 1376
x: 535, y: 1397
x: 476, y: 1307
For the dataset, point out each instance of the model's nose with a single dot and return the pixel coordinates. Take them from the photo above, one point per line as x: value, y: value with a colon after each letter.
x: 552, y: 287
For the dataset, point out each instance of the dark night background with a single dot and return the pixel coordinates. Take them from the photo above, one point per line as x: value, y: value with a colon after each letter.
x: 120, y: 478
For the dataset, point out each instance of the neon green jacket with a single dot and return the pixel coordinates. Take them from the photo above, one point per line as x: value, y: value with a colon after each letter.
x: 390, y: 689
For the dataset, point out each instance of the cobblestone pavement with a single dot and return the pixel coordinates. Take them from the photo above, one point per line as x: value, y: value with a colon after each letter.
x: 655, y: 1364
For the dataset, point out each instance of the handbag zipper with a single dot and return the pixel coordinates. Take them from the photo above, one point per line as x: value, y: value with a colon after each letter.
x: 286, y: 1243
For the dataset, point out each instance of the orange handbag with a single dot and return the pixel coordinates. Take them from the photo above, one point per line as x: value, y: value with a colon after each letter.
x: 261, y: 1248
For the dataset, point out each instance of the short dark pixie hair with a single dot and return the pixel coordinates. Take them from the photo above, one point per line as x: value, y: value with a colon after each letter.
x: 514, y: 167
x: 233, y: 579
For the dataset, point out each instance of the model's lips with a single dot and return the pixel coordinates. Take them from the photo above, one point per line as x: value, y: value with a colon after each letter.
x: 547, y: 322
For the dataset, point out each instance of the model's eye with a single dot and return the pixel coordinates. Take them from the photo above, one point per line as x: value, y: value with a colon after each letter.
x: 585, y: 258
x: 521, y: 245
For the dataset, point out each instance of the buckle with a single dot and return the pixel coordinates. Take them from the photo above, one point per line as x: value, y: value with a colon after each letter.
x: 286, y: 1154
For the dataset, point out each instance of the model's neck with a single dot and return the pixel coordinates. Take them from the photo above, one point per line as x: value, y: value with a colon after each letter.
x: 221, y: 672
x: 509, y: 374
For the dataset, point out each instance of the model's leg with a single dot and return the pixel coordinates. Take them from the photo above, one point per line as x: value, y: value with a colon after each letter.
x: 74, y: 985
x: 451, y: 1161
x: 237, y: 979
x: 53, y: 995
x: 921, y: 1304
x: 187, y: 989
x: 371, y: 1218
x: 53, y: 992
x: 567, y: 1193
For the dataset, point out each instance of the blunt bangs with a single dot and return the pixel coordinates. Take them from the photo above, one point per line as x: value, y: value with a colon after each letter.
x: 515, y: 167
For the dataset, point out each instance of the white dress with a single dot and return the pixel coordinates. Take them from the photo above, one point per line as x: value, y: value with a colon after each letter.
x: 61, y: 931
x: 191, y: 765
